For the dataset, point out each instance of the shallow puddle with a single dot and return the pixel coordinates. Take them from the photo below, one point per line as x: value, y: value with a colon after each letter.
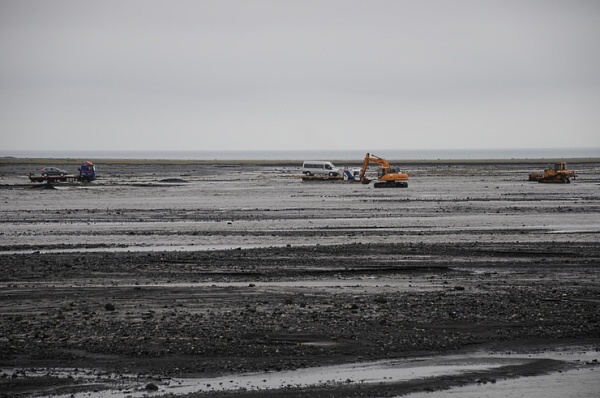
x: 364, y: 373
x: 577, y: 383
x: 154, y: 248
x: 387, y: 371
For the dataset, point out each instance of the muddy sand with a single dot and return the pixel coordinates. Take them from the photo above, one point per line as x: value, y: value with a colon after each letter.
x: 242, y: 280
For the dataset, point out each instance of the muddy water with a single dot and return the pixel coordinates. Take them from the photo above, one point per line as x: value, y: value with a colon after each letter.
x: 364, y: 373
x: 582, y: 382
x: 579, y: 383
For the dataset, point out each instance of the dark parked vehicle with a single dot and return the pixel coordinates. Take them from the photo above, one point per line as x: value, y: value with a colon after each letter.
x: 53, y: 171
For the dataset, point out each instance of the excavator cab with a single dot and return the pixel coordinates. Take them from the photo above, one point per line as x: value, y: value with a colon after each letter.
x: 382, y: 171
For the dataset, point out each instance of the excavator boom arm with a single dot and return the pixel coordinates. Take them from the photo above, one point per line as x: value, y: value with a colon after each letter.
x: 370, y: 158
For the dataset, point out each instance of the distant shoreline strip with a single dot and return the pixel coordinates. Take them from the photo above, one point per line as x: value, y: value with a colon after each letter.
x: 8, y: 160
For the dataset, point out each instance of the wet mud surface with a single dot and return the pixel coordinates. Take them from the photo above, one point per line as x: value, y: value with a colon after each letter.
x: 154, y: 274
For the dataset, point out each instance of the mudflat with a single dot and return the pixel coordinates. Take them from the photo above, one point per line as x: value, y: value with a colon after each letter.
x: 162, y: 272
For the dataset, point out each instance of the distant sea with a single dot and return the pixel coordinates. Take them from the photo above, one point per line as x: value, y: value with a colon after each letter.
x: 392, y: 154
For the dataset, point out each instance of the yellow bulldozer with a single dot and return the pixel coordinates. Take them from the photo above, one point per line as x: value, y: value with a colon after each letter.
x: 557, y: 173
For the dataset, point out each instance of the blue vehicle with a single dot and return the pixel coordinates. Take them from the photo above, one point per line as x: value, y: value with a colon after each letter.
x: 87, y: 172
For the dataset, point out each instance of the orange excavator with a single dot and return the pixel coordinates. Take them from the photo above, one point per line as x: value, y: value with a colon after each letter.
x: 387, y: 176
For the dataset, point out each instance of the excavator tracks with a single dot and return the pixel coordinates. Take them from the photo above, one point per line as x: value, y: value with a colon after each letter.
x: 391, y: 184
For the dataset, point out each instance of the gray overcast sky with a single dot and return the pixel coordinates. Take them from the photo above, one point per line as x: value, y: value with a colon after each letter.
x: 324, y: 74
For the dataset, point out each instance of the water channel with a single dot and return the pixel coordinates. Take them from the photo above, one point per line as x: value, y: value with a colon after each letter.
x: 579, y: 382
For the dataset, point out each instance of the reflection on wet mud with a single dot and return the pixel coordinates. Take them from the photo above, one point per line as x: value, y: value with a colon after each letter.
x: 365, y: 373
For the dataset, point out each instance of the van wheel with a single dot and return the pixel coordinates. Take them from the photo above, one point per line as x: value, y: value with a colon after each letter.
x: 331, y: 174
x: 308, y: 173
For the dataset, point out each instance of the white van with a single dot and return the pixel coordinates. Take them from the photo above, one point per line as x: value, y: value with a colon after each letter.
x: 314, y: 167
